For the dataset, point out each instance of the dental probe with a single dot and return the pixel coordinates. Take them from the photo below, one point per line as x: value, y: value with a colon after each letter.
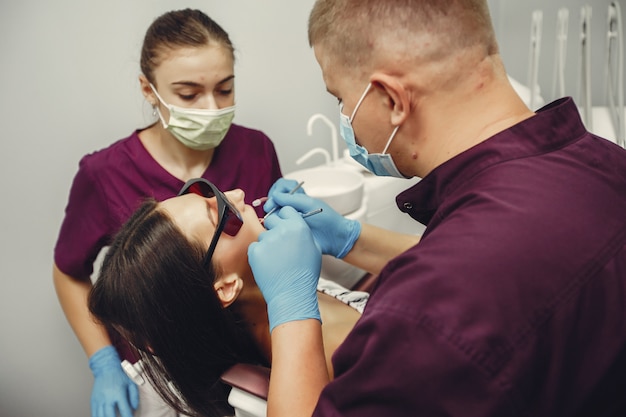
x: 312, y: 212
x: 304, y: 215
x: 290, y: 192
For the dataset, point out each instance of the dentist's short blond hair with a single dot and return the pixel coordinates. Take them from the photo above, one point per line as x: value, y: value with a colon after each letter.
x: 354, y: 33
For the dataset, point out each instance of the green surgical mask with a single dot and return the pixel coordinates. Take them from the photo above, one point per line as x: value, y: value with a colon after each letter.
x: 199, y: 129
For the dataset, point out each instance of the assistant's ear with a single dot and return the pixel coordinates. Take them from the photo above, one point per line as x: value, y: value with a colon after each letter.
x: 228, y: 288
x: 397, y: 96
x: 147, y: 92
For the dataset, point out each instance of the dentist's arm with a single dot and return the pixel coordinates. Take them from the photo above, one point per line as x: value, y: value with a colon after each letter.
x: 298, y: 369
x: 365, y: 246
x: 286, y: 264
x: 375, y: 247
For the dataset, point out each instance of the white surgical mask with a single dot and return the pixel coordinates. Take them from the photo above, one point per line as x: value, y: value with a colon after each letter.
x: 198, y: 129
x: 380, y: 164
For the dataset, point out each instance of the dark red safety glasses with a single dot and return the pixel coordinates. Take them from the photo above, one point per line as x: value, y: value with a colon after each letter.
x: 229, y: 219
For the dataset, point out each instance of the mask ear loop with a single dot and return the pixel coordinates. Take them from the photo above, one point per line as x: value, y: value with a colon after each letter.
x: 358, y: 103
x: 393, y: 134
x: 155, y: 108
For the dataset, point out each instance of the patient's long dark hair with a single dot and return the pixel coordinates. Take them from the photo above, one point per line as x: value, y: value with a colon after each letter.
x: 154, y: 290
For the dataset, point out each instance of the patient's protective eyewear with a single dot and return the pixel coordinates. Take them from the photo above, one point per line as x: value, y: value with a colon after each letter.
x: 229, y: 219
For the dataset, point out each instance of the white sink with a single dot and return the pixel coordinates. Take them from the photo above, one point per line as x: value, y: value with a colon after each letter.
x: 340, y: 188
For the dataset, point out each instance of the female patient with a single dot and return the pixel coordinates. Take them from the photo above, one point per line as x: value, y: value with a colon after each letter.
x: 192, y: 312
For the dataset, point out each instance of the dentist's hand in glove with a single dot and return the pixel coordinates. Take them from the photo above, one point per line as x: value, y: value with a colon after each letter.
x: 334, y: 233
x: 112, y: 388
x: 286, y: 263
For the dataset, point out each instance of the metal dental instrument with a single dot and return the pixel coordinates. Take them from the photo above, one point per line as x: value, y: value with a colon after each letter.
x: 312, y: 212
x: 296, y: 188
x: 304, y: 215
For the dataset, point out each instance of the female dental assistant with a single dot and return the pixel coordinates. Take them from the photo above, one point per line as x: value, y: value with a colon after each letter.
x: 187, y: 65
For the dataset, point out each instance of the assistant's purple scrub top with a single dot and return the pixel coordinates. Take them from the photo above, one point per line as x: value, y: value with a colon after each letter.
x: 112, y: 183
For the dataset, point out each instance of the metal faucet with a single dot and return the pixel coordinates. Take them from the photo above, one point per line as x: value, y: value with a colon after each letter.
x: 333, y: 131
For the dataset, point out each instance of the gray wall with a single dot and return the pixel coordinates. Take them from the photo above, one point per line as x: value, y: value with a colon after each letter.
x: 68, y: 83
x: 512, y: 21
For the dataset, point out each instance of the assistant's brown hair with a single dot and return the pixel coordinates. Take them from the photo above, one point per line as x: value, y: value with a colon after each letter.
x: 179, y: 28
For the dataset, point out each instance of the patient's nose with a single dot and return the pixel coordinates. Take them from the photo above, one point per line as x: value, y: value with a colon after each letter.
x: 236, y: 197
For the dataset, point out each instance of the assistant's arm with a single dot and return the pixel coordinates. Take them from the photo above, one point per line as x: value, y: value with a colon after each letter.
x: 72, y: 294
x: 81, y: 234
x: 112, y: 388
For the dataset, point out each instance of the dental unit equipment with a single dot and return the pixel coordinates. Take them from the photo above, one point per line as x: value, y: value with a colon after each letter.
x: 584, y: 81
x: 533, y: 66
x: 334, y: 137
x: 614, y: 72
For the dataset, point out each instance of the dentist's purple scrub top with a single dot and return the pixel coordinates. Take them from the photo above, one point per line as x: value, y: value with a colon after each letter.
x: 514, y: 302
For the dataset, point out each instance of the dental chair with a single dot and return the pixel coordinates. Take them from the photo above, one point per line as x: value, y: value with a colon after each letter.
x: 250, y: 383
x: 249, y: 386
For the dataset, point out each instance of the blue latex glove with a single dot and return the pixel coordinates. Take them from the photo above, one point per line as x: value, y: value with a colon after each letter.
x: 286, y: 263
x: 334, y: 233
x: 112, y: 388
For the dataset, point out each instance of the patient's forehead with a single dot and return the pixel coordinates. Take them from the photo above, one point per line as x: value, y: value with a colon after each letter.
x: 180, y: 204
x: 191, y: 213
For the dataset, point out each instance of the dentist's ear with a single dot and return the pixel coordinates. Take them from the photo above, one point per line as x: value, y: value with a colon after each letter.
x: 228, y: 288
x: 397, y: 96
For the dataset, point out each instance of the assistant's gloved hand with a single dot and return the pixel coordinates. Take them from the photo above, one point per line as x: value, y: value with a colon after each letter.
x: 112, y: 388
x: 286, y: 263
x: 334, y: 233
